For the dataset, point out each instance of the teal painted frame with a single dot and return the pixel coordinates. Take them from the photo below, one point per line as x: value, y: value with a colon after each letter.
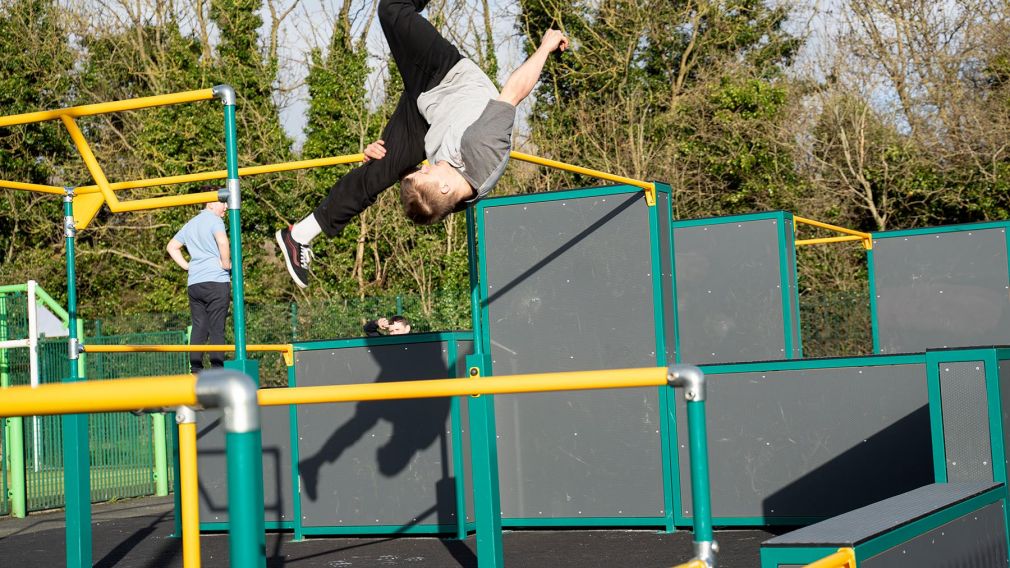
x: 792, y: 347
x: 870, y: 266
x: 773, y: 557
x: 670, y: 477
x: 785, y: 365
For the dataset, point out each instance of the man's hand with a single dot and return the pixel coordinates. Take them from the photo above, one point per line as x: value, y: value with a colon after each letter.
x: 375, y: 151
x: 554, y: 40
x: 383, y: 323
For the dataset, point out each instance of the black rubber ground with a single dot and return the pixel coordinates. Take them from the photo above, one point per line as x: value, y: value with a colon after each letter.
x: 136, y: 534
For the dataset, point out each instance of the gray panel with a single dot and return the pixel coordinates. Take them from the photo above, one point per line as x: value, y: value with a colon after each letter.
x: 580, y: 454
x: 965, y: 421
x: 569, y: 285
x: 941, y: 290
x: 729, y: 292
x: 570, y: 288
x: 212, y: 465
x: 777, y: 439
x: 869, y: 522
x: 666, y: 262
x: 794, y: 293
x: 976, y: 539
x: 380, y: 462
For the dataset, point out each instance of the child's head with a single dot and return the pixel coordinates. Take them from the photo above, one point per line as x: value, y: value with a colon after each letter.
x: 432, y: 192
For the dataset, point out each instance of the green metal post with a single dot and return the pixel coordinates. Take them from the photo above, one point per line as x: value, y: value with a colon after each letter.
x: 14, y: 436
x: 177, y: 500
x: 399, y: 305
x: 76, y: 478
x: 160, y: 454
x: 227, y: 96
x: 483, y: 430
x: 701, y: 494
x: 294, y: 322
x: 247, y: 541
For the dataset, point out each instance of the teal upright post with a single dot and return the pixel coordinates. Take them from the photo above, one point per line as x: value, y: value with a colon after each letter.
x: 76, y: 463
x: 692, y: 381
x: 235, y: 394
x: 234, y: 198
x: 483, y: 444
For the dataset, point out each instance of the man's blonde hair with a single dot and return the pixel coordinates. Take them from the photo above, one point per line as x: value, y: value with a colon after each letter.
x: 424, y: 203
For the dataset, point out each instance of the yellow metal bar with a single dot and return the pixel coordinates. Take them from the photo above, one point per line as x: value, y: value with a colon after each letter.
x: 825, y: 240
x: 285, y: 349
x: 511, y: 384
x: 692, y: 564
x: 867, y: 238
x: 222, y: 174
x: 99, y: 396
x: 90, y: 161
x: 844, y: 558
x: 33, y: 187
x: 189, y: 496
x: 163, y: 202
x: 649, y: 187
x: 104, y: 108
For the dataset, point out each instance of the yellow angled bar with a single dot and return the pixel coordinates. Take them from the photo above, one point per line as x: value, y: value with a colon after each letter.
x: 90, y: 161
x: 649, y: 187
x: 511, y: 384
x: 99, y: 396
x: 33, y: 187
x: 692, y: 564
x: 223, y: 174
x: 844, y: 558
x: 826, y: 240
x: 867, y: 238
x: 104, y: 108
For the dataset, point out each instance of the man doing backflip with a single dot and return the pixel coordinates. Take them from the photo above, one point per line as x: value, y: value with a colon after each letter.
x: 450, y: 113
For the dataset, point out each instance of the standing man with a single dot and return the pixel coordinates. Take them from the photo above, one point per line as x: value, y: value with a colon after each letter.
x: 209, y: 282
x: 449, y: 112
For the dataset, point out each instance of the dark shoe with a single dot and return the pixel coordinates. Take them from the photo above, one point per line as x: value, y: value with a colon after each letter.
x: 309, y: 472
x: 296, y: 256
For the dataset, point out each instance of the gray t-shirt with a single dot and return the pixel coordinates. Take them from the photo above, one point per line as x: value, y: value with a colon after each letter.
x: 468, y: 126
x: 204, y: 258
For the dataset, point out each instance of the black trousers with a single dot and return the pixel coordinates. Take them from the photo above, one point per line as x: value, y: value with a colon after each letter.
x: 423, y: 57
x: 208, y: 306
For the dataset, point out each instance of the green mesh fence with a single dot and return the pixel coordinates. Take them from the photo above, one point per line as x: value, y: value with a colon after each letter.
x: 5, y: 507
x: 121, y: 444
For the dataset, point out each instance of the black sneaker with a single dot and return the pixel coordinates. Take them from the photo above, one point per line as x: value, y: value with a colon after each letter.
x: 296, y: 256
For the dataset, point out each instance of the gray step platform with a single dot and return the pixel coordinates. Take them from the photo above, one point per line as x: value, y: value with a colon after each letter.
x: 943, y: 524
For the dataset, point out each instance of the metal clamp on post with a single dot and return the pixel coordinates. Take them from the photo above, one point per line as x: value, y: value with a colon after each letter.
x: 689, y: 378
x: 235, y: 394
x: 69, y: 228
x: 74, y: 348
x: 231, y: 193
x: 226, y: 93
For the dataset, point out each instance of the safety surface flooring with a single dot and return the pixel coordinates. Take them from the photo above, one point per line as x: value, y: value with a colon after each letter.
x: 136, y: 534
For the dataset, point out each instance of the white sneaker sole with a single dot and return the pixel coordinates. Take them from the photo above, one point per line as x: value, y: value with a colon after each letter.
x: 287, y: 260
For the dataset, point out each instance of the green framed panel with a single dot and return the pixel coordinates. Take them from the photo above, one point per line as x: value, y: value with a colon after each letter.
x: 590, y: 214
x: 779, y: 432
x: 326, y: 344
x: 940, y: 287
x: 736, y: 289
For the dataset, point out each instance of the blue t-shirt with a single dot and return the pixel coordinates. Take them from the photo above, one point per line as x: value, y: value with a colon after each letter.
x: 204, y: 258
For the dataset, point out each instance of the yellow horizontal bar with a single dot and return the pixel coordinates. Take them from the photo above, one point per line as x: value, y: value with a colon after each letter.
x: 693, y: 564
x: 33, y: 187
x: 223, y: 174
x: 287, y: 350
x: 844, y: 558
x: 580, y: 170
x: 104, y: 108
x: 825, y: 240
x: 163, y: 202
x: 510, y: 384
x: 99, y: 396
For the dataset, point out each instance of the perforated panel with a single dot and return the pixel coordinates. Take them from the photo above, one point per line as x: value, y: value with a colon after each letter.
x: 729, y: 292
x: 966, y: 421
x: 941, y: 290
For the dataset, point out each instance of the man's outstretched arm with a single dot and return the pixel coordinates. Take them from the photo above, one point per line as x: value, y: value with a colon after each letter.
x: 520, y: 84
